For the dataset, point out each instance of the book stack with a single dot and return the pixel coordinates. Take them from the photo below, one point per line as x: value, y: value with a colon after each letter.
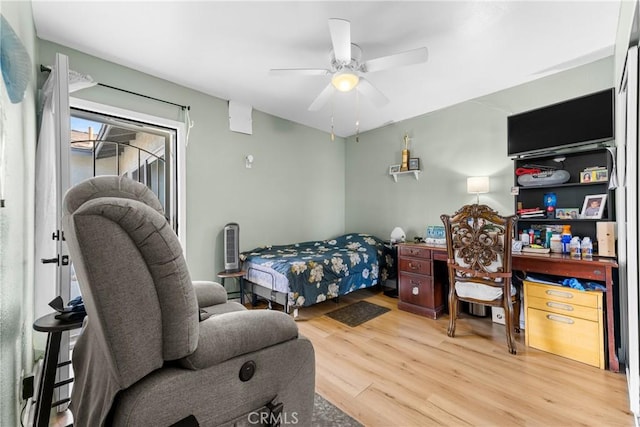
x: 531, y: 213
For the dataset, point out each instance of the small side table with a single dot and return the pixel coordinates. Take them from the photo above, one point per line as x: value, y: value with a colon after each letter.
x: 54, y: 328
x: 238, y: 276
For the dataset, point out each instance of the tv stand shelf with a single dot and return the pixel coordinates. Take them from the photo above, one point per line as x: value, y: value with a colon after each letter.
x: 566, y: 184
x: 570, y: 194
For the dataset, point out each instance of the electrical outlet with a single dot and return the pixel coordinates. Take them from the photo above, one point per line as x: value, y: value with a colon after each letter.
x: 27, y: 387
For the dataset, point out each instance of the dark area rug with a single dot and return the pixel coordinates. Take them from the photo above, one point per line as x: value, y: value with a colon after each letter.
x: 357, y: 313
x: 325, y: 414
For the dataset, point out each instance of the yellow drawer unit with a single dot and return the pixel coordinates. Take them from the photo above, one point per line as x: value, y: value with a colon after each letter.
x: 565, y: 321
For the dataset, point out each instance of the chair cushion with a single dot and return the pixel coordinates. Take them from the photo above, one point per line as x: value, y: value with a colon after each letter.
x: 227, y: 335
x: 480, y: 291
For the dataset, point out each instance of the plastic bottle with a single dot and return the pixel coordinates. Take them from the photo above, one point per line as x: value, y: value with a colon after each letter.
x: 547, y: 237
x: 574, y: 248
x: 556, y: 243
x: 565, y: 238
x: 587, y: 248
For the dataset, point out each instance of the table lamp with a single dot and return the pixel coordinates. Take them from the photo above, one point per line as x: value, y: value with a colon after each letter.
x: 477, y: 185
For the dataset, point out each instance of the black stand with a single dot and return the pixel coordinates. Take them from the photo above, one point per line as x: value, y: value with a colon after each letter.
x: 54, y: 328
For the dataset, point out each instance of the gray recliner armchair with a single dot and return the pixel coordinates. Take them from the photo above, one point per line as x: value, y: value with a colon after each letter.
x: 157, y: 349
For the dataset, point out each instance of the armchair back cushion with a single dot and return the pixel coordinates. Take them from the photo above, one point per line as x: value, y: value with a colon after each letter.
x: 136, y: 288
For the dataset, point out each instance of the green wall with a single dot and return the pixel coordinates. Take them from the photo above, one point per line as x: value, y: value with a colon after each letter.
x: 303, y: 186
x: 293, y: 192
x: 466, y: 139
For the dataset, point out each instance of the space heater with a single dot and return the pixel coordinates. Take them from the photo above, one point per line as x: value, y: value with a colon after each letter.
x: 231, y: 244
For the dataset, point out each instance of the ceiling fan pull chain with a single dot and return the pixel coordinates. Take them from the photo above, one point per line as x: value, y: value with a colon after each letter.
x: 333, y: 136
x: 357, y: 116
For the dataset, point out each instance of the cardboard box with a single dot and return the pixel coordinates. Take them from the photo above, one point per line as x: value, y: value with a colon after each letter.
x: 606, y: 235
x: 497, y: 315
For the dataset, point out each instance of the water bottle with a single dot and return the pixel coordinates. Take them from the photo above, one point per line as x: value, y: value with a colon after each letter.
x: 574, y: 248
x: 587, y: 248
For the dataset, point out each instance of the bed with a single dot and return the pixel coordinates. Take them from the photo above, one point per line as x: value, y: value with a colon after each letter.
x: 303, y: 274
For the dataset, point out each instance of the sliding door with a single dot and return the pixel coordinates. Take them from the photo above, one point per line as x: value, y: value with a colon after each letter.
x: 628, y: 231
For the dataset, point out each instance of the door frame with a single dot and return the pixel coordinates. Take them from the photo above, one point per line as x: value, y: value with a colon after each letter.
x: 181, y: 147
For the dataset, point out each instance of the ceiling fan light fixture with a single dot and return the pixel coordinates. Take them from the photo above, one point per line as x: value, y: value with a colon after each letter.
x: 345, y: 81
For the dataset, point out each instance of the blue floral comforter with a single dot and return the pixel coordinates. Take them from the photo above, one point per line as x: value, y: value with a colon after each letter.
x: 319, y: 270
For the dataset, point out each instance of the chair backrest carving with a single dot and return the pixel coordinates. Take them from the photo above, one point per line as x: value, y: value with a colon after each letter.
x: 479, y: 244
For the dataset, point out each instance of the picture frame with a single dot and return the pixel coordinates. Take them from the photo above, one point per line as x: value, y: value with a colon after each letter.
x: 567, y: 213
x: 414, y: 163
x: 394, y: 169
x: 593, y: 206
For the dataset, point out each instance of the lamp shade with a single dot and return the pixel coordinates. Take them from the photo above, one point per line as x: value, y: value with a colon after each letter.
x: 344, y: 81
x: 477, y: 184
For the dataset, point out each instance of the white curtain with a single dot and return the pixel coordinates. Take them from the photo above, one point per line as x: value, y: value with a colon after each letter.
x: 46, y: 196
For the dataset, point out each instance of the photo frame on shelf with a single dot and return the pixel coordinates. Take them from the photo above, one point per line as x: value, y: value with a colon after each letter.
x: 593, y: 206
x: 394, y: 169
x: 414, y: 163
x: 567, y: 213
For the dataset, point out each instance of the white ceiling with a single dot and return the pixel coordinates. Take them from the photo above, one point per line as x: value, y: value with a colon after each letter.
x: 226, y: 49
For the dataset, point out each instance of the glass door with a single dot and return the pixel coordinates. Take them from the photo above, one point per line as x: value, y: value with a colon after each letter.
x: 99, y: 144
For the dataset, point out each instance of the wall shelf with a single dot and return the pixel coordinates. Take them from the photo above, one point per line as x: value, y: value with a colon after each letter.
x: 416, y: 173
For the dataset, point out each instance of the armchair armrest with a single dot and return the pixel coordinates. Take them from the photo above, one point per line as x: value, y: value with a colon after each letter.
x: 233, y: 334
x: 209, y: 293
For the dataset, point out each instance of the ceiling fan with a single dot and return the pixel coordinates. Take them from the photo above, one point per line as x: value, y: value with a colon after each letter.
x: 348, y: 71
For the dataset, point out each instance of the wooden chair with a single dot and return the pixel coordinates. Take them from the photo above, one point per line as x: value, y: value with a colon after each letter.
x: 479, y: 264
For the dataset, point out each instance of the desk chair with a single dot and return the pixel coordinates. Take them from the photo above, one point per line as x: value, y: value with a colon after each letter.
x: 157, y: 349
x: 479, y: 264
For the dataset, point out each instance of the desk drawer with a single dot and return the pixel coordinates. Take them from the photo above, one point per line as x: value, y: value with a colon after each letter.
x: 566, y: 336
x: 592, y: 299
x: 414, y: 265
x: 414, y: 251
x: 564, y: 308
x: 416, y: 289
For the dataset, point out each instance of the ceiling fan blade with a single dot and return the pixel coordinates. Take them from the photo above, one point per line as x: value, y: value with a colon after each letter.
x: 340, y: 30
x: 373, y: 94
x: 298, y: 71
x: 410, y: 57
x: 322, y: 99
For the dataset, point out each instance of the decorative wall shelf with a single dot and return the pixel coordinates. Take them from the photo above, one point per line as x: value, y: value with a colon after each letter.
x: 415, y: 173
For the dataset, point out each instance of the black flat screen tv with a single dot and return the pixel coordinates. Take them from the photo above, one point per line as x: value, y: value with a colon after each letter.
x: 578, y: 121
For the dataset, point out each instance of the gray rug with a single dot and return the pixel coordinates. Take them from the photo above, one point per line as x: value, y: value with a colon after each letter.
x: 325, y: 414
x: 357, y: 313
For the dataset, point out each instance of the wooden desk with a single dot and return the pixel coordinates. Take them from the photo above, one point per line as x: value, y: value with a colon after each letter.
x: 600, y: 269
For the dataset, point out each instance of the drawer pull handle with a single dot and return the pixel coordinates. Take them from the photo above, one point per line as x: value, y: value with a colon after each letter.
x: 415, y: 283
x: 559, y: 294
x: 559, y: 306
x: 597, y: 272
x: 560, y: 319
x: 414, y: 266
x: 414, y: 251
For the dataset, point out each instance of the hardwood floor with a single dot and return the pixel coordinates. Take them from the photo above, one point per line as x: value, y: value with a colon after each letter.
x: 401, y: 369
